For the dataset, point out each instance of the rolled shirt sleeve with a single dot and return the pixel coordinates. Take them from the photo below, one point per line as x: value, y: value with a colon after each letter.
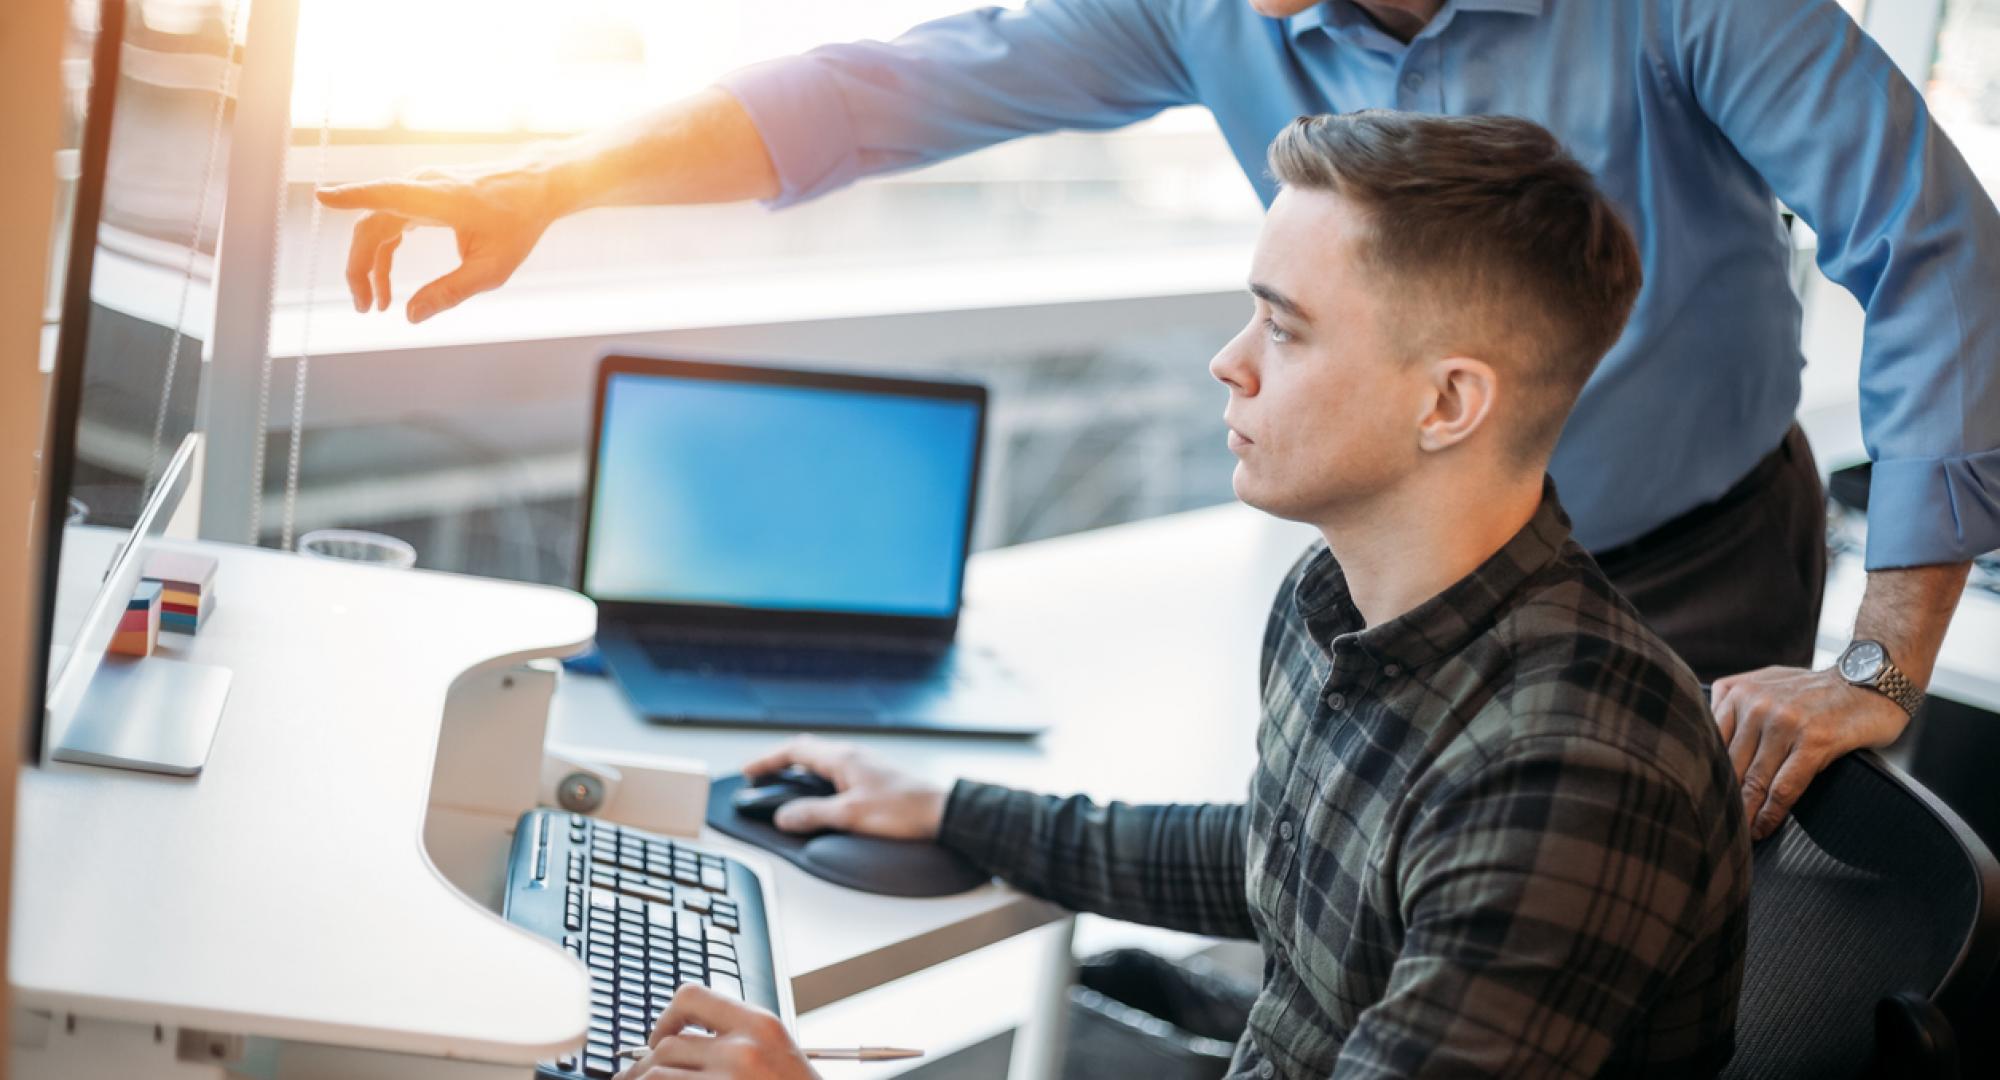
x: 1180, y: 866
x: 1820, y: 111
x: 947, y: 87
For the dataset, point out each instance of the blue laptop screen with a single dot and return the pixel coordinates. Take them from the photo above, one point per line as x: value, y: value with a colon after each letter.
x: 780, y: 497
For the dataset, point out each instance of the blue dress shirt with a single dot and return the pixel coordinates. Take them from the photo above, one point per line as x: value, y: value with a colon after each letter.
x: 1693, y: 114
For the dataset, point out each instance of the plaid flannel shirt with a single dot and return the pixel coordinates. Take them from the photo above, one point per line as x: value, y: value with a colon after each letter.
x: 1497, y: 835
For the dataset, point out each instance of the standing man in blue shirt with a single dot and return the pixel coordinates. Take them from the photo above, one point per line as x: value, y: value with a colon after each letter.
x: 1680, y: 464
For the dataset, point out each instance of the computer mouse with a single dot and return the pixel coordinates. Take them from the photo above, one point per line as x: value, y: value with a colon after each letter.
x: 761, y: 797
x: 868, y: 863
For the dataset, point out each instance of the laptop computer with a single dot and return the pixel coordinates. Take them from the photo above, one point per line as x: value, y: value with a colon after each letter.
x: 782, y: 548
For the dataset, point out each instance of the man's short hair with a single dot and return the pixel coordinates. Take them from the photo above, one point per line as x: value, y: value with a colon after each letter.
x: 1498, y: 239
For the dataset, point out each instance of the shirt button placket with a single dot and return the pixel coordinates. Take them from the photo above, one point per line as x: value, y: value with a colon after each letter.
x: 1267, y: 1070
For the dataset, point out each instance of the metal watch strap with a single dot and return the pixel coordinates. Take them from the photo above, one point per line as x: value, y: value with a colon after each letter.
x: 1898, y: 688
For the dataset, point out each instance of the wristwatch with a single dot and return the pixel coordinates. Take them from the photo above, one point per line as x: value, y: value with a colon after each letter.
x: 1866, y: 663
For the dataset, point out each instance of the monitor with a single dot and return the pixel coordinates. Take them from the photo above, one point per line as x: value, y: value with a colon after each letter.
x: 151, y: 107
x: 727, y: 486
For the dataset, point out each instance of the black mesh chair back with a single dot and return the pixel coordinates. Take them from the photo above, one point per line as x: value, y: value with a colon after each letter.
x: 1872, y: 932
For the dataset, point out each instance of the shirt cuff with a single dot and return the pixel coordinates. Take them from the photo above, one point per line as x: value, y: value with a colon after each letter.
x: 1926, y: 511
x: 978, y: 819
x: 800, y: 114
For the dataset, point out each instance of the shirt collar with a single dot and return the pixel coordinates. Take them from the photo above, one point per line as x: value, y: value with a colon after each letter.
x: 1342, y: 15
x: 1445, y: 623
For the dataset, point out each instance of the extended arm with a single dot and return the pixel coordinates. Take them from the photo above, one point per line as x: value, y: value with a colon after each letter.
x: 1177, y: 866
x: 1180, y: 866
x: 788, y: 130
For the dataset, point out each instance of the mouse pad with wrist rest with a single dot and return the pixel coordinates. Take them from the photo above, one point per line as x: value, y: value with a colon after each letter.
x: 868, y: 863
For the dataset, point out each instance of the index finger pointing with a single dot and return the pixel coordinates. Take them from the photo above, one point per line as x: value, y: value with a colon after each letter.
x: 405, y: 197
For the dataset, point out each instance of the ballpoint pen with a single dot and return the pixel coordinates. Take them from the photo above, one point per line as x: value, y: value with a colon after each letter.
x: 848, y: 1053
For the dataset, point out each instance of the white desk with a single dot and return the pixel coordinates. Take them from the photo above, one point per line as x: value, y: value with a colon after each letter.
x: 284, y: 893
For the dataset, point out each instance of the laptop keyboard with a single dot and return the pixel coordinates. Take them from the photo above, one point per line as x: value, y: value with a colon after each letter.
x: 790, y: 661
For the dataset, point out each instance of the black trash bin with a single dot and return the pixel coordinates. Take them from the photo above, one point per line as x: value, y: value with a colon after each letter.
x: 1134, y: 1014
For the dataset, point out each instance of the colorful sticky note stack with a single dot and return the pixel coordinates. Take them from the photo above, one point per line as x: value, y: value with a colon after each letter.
x: 188, y: 584
x: 139, y: 627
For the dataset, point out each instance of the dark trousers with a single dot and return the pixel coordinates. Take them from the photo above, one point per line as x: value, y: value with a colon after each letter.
x: 1736, y: 584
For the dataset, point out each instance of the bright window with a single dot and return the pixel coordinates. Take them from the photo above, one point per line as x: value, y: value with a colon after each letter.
x: 1965, y: 83
x: 405, y: 84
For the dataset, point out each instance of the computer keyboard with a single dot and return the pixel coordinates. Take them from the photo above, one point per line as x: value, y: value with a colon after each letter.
x: 646, y: 914
x: 789, y: 660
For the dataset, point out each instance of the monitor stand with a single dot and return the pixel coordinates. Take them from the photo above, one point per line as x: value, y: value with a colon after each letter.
x: 154, y: 715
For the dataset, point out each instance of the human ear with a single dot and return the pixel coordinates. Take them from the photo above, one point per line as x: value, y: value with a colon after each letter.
x: 1462, y: 393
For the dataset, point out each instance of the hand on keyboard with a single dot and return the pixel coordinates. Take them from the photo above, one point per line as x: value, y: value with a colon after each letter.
x: 873, y: 799
x: 741, y: 1041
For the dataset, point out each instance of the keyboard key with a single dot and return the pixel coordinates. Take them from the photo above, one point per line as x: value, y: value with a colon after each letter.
x: 726, y: 985
x: 649, y: 893
x: 713, y: 879
x: 597, y: 1067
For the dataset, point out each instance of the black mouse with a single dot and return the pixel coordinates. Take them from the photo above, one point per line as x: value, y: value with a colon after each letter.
x: 760, y: 798
x: 868, y: 863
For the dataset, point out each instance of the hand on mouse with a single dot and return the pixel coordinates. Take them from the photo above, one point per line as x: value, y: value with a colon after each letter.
x: 872, y: 799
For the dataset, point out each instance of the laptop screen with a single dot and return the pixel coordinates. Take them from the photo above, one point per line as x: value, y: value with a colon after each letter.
x: 780, y: 497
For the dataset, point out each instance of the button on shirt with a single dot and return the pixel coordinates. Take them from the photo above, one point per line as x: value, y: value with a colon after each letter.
x: 1523, y: 856
x: 1692, y: 114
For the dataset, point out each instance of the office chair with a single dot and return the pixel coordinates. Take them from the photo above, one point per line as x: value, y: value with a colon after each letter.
x: 1874, y: 930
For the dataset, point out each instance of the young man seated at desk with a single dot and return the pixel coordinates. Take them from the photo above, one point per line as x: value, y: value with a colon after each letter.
x: 1492, y: 829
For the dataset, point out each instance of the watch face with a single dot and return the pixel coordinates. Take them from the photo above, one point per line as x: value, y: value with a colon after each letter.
x: 1862, y: 662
